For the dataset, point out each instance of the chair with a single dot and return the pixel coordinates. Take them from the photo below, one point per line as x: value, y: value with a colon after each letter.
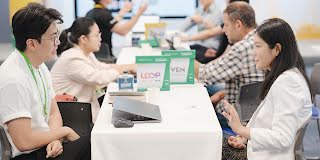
x: 50, y: 64
x: 77, y: 115
x: 298, y: 146
x: 315, y: 83
x: 5, y: 145
x: 248, y: 101
x: 105, y: 54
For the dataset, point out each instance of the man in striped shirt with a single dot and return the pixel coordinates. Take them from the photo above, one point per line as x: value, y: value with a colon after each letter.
x: 236, y: 68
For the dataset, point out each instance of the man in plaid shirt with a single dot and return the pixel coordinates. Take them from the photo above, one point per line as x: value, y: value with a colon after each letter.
x: 236, y: 68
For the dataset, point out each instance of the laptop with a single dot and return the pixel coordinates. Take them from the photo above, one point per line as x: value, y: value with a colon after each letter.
x: 171, y: 45
x: 134, y: 110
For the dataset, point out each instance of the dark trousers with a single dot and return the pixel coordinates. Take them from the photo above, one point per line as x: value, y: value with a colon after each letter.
x: 200, y: 51
x: 223, y: 121
x: 76, y: 150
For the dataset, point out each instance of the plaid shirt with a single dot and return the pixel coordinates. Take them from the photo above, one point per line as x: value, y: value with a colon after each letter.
x: 236, y: 69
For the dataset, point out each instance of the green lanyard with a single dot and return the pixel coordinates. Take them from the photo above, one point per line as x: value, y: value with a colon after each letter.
x: 44, y: 88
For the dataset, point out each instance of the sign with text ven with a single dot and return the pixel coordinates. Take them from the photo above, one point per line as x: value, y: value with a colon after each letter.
x: 181, y: 66
x: 153, y: 71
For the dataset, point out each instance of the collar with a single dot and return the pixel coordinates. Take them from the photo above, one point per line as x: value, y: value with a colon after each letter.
x: 211, y: 8
x: 17, y: 52
x: 250, y: 34
x: 90, y: 58
x: 21, y: 59
x: 80, y: 51
x: 99, y: 6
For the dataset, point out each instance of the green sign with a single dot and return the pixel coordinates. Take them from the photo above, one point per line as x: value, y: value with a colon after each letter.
x: 152, y: 42
x: 182, y: 66
x: 153, y: 71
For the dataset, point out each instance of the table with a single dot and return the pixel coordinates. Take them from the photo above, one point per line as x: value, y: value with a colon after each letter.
x: 189, y: 130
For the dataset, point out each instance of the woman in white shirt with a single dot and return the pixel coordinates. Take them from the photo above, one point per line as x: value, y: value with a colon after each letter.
x: 286, y: 95
x: 77, y: 71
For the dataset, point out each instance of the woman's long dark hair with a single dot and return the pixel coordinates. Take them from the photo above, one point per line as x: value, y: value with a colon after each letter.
x: 70, y: 36
x: 274, y: 31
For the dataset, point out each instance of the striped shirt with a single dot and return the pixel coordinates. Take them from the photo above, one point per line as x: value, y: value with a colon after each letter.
x: 236, y: 68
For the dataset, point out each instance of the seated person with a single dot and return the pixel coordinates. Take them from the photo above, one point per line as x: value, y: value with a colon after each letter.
x: 77, y: 72
x: 28, y: 110
x: 207, y: 13
x: 236, y: 68
x: 109, y: 24
x: 216, y: 91
x: 286, y: 96
x: 207, y: 54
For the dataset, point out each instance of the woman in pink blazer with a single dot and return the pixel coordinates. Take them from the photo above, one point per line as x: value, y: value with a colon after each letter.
x: 77, y: 72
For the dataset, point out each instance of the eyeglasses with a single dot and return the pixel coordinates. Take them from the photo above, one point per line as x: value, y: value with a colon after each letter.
x: 95, y: 35
x: 55, y: 38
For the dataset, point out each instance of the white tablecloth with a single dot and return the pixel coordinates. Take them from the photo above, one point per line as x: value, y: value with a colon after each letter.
x: 189, y: 130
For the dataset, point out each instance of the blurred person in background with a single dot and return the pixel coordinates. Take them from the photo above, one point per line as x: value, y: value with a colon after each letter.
x: 208, y: 13
x: 109, y: 24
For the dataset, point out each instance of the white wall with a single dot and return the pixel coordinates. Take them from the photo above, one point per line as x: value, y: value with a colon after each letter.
x: 66, y: 8
x: 303, y: 16
x: 159, y: 7
x: 298, y: 13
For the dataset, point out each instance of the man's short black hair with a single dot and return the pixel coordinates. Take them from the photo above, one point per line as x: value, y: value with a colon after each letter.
x: 32, y: 22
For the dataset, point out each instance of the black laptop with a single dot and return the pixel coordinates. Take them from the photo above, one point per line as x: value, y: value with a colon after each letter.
x: 171, y: 45
x: 134, y: 110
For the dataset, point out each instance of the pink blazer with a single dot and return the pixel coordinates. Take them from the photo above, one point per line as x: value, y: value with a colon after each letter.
x: 76, y: 74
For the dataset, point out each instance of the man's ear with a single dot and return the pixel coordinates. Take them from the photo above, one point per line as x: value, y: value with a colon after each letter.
x: 31, y: 44
x: 238, y: 24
